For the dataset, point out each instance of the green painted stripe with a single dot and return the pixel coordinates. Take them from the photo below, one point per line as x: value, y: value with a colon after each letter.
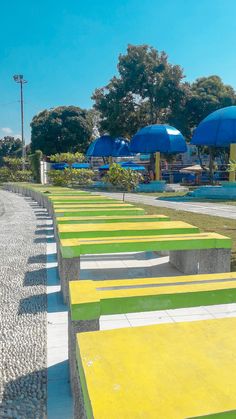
x: 124, y: 233
x: 117, y: 211
x: 113, y: 220
x: 91, y: 311
x: 142, y: 246
x: 222, y: 415
x: 86, y: 399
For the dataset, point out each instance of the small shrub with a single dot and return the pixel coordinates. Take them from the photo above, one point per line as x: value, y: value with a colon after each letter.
x: 8, y: 175
x: 124, y: 179
x: 69, y: 158
x: 69, y: 177
x: 22, y: 176
x: 5, y: 174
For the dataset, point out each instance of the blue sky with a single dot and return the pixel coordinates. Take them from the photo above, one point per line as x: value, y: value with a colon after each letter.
x: 66, y: 49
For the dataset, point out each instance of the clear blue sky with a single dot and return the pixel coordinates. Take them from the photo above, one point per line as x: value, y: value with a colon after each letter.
x: 65, y: 49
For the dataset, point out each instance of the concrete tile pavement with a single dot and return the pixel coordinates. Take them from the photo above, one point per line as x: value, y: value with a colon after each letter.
x: 210, y: 208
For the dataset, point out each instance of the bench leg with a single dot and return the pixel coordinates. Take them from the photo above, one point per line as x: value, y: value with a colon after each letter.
x: 75, y: 327
x: 69, y: 270
x: 201, y: 261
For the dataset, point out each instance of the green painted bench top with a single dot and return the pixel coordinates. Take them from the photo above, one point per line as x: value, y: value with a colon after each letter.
x: 67, y: 231
x: 111, y: 219
x: 166, y: 371
x: 91, y: 299
x: 75, y: 247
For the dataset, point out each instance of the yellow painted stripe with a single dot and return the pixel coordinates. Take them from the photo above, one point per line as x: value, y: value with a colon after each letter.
x: 96, y: 206
x: 127, y: 239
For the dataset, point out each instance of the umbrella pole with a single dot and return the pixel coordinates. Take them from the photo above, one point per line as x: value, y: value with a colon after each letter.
x: 232, y: 156
x: 157, y: 166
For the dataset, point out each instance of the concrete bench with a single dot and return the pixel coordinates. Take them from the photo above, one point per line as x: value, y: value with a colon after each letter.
x: 189, y: 253
x: 166, y: 371
x: 144, y: 228
x: 89, y: 300
x: 86, y: 203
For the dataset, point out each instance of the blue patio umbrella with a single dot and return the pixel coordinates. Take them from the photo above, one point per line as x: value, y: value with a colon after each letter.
x: 158, y: 139
x: 218, y: 130
x: 106, y: 146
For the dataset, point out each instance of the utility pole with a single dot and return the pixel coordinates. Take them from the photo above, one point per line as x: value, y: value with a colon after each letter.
x: 18, y: 78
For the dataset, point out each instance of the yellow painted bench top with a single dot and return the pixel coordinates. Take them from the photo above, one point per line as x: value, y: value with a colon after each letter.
x: 63, y: 207
x: 165, y: 371
x: 158, y: 225
x: 85, y: 291
x: 134, y: 239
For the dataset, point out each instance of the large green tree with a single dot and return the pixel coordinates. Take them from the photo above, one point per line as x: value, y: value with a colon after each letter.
x: 62, y: 129
x: 206, y: 95
x: 147, y: 90
x: 10, y: 147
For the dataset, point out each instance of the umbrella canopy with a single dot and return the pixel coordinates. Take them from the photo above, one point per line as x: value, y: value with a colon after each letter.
x: 158, y: 138
x: 218, y: 129
x: 106, y: 146
x: 192, y: 169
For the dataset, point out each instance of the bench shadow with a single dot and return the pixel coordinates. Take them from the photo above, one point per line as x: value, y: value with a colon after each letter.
x: 162, y: 270
x: 25, y: 398
x: 44, y: 240
x: 119, y: 256
x: 44, y: 231
x: 33, y: 304
x: 36, y: 277
x: 42, y: 258
x: 51, y: 303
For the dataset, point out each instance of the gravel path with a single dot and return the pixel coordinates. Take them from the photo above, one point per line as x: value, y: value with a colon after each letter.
x: 209, y: 208
x: 23, y: 378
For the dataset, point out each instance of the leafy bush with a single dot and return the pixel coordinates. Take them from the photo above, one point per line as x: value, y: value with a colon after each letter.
x: 69, y: 158
x: 13, y: 163
x: 69, y: 177
x: 5, y: 174
x: 8, y: 175
x: 123, y: 179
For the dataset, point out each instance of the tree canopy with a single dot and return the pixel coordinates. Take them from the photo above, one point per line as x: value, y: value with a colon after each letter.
x: 61, y: 129
x: 10, y: 147
x: 148, y: 90
x: 206, y: 95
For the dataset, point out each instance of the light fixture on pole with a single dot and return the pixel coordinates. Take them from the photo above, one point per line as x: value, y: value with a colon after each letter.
x: 18, y: 78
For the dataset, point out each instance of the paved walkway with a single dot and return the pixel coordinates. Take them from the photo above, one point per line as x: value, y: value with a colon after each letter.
x: 210, y: 208
x: 35, y: 357
x: 23, y: 309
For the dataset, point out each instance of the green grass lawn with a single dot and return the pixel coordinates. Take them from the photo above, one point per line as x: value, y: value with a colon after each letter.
x: 207, y: 223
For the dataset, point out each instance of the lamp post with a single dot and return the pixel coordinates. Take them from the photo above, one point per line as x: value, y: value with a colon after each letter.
x: 18, y: 78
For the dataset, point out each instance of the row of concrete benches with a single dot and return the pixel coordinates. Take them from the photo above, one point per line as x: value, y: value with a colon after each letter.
x: 161, y: 371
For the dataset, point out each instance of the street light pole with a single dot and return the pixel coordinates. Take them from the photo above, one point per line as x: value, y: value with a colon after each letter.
x: 20, y: 79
